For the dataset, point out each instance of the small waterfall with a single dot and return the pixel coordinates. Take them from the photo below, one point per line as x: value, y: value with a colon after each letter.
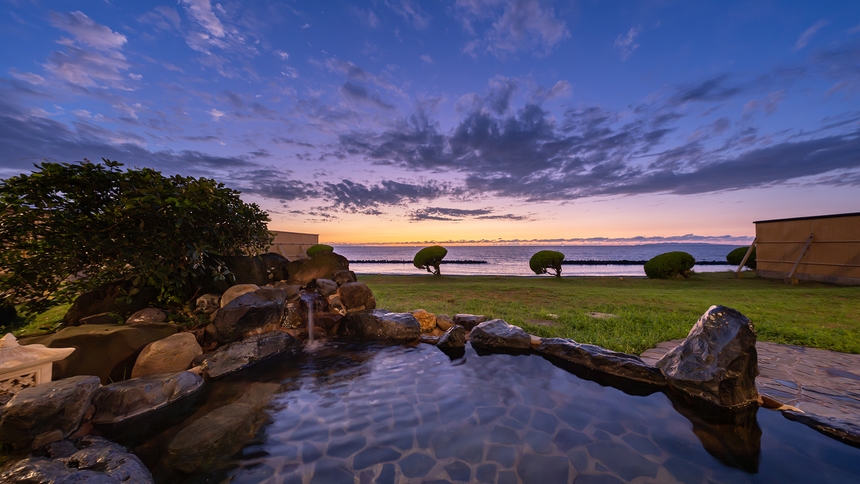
x: 311, y: 304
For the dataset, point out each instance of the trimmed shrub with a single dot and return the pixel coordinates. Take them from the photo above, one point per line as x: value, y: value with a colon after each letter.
x: 316, y: 249
x: 544, y: 260
x: 670, y: 264
x: 429, y: 258
x: 736, y: 256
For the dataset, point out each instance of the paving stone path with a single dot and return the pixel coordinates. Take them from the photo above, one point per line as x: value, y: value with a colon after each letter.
x: 819, y: 382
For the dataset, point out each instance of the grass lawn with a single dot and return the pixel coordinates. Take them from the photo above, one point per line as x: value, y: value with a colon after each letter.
x: 649, y: 311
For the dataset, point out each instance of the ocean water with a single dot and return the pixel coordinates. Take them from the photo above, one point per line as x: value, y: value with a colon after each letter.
x: 508, y: 260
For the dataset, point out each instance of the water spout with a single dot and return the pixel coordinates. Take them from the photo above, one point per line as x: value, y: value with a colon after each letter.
x: 310, y: 300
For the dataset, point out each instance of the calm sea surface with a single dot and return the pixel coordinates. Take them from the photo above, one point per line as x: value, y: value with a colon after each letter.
x: 510, y: 260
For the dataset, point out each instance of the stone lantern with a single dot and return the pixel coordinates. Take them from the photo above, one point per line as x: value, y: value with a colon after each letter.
x: 25, y: 366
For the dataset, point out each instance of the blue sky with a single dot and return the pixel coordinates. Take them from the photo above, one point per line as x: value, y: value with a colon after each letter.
x: 472, y: 120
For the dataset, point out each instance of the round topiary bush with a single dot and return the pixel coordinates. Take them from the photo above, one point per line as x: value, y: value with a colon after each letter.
x: 670, y: 264
x: 429, y: 258
x: 736, y: 256
x: 316, y: 249
x: 544, y: 260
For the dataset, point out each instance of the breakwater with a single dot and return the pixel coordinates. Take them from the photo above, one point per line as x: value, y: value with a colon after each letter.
x: 566, y: 262
x: 388, y: 261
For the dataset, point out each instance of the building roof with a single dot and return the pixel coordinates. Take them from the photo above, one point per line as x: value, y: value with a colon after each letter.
x: 836, y: 215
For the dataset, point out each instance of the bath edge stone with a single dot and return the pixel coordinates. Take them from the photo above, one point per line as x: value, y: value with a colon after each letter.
x: 621, y: 365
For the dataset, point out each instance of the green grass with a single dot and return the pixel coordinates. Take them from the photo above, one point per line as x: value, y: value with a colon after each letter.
x: 40, y: 323
x: 649, y: 310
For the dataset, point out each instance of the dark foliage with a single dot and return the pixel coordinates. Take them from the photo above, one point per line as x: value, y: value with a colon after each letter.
x: 316, y: 249
x: 736, y: 256
x: 670, y: 264
x: 546, y: 260
x: 429, y: 258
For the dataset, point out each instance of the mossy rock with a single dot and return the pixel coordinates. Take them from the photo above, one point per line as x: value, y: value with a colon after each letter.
x: 316, y: 249
x: 668, y: 265
x: 736, y: 256
x: 544, y: 260
x: 429, y: 258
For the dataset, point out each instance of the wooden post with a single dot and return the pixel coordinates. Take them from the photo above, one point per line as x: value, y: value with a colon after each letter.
x: 791, y: 279
x: 746, y: 256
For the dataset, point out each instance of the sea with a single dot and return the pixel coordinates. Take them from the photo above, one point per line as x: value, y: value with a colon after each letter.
x: 513, y: 260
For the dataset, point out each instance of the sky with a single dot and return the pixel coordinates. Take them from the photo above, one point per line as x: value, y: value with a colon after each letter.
x: 471, y: 121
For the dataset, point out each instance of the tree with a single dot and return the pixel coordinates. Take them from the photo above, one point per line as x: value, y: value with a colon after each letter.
x: 670, y: 264
x: 736, y: 256
x: 543, y: 260
x: 430, y: 258
x: 70, y: 228
x: 317, y: 248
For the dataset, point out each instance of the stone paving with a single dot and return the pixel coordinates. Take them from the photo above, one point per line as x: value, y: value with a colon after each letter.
x: 818, y: 382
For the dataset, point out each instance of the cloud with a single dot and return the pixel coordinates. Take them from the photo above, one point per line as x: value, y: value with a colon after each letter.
x: 713, y: 89
x: 355, y: 197
x: 88, y: 68
x: 638, y: 240
x: 86, y: 31
x: 768, y: 105
x: 500, y: 93
x: 201, y: 11
x: 559, y: 90
x: 411, y: 11
x: 427, y: 59
x: 360, y: 95
x: 516, y: 25
x: 283, y: 55
x: 458, y: 215
x: 807, y: 34
x: 216, y: 115
x: 162, y: 18
x: 26, y: 76
x: 367, y: 17
x: 625, y: 44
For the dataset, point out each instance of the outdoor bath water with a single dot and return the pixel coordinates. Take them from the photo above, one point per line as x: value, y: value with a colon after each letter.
x: 351, y: 413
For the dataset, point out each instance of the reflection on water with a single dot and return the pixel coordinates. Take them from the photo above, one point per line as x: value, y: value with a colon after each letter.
x: 351, y: 413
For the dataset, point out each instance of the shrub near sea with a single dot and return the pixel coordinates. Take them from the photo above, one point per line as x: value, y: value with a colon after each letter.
x: 668, y: 265
x: 736, y: 256
x: 429, y: 258
x: 546, y: 260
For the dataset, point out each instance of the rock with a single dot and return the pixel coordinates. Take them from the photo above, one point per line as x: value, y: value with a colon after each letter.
x: 105, y: 350
x: 259, y: 269
x: 326, y: 287
x: 425, y: 319
x: 322, y: 266
x: 469, y: 321
x: 236, y: 291
x: 100, y: 318
x: 250, y: 350
x: 380, y: 324
x: 294, y: 315
x: 148, y: 315
x: 247, y: 312
x: 168, y: 355
x: 126, y: 399
x: 356, y: 296
x: 46, y: 408
x: 454, y: 337
x: 207, y: 441
x: 108, y: 299
x: 444, y: 322
x: 208, y: 303
x: 90, y: 460
x: 717, y: 362
x: 294, y: 292
x: 343, y: 277
x: 336, y: 305
x: 497, y: 333
x: 429, y: 339
x: 599, y: 359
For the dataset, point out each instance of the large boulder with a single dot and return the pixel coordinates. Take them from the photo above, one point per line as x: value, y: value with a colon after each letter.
x: 621, y: 365
x: 454, y: 338
x: 326, y: 287
x: 208, y: 440
x: 208, y: 303
x: 259, y: 269
x: 717, y: 362
x: 248, y: 312
x: 148, y: 315
x: 380, y: 324
x: 497, y: 333
x: 469, y: 321
x: 108, y: 299
x: 168, y: 355
x: 322, y: 266
x: 46, y: 412
x: 127, y: 399
x: 236, y: 291
x: 294, y: 292
x: 444, y: 322
x: 425, y: 319
x: 343, y: 277
x: 250, y: 350
x: 356, y: 296
x: 108, y: 351
x: 87, y: 460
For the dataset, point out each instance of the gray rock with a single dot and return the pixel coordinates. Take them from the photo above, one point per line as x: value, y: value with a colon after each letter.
x: 38, y: 413
x: 322, y: 266
x: 126, y: 399
x: 168, y: 355
x: 249, y: 311
x: 380, y: 324
x: 208, y: 303
x: 336, y: 305
x: 89, y: 460
x: 208, y: 440
x: 600, y: 359
x: 454, y: 337
x: 356, y: 296
x: 497, y: 333
x: 250, y: 350
x: 717, y: 362
x: 235, y: 291
x: 469, y: 321
x: 105, y: 350
x: 326, y: 287
x: 444, y: 322
x: 294, y: 292
x: 148, y: 315
x: 343, y: 277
